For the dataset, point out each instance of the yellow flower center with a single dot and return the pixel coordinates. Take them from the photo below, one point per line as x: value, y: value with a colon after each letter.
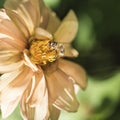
x: 45, y: 51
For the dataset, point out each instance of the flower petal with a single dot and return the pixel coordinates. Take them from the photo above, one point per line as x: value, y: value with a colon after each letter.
x: 69, y: 51
x: 68, y: 28
x: 27, y: 112
x: 27, y: 14
x: 8, y: 108
x: 39, y: 89
x: 44, y: 14
x: 53, y: 21
x: 6, y: 78
x: 75, y: 71
x: 54, y: 113
x: 10, y: 67
x: 9, y: 57
x: 35, y: 97
x: 12, y: 93
x: 23, y: 13
x: 42, y: 110
x: 42, y: 34
x: 61, y: 90
x: 39, y: 99
x: 10, y: 34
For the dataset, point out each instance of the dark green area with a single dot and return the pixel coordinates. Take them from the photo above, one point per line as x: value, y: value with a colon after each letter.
x: 1, y: 3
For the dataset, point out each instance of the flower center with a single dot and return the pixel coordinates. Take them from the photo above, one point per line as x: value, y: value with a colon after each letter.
x: 45, y: 51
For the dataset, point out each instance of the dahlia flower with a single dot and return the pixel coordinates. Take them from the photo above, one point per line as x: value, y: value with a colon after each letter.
x: 33, y: 72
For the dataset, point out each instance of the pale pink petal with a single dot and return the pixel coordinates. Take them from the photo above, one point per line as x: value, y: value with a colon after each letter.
x: 19, y: 23
x: 75, y: 71
x: 9, y: 57
x: 15, y: 44
x: 35, y: 97
x: 61, y: 90
x: 6, y: 46
x: 68, y: 28
x: 10, y: 34
x: 23, y: 13
x: 12, y: 93
x: 27, y: 14
x: 10, y: 67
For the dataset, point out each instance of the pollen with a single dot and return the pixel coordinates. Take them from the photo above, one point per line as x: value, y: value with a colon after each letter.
x: 41, y: 52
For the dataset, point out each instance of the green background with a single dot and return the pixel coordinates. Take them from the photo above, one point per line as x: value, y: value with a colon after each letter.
x: 98, y: 42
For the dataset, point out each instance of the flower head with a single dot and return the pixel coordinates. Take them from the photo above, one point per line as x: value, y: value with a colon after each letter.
x: 33, y: 43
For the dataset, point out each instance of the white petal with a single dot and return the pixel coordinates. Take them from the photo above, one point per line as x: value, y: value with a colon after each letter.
x: 35, y: 97
x: 42, y: 109
x: 40, y: 90
x: 6, y: 78
x: 7, y: 109
x: 12, y: 93
x: 10, y: 67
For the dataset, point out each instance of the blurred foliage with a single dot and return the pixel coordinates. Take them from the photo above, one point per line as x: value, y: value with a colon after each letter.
x: 98, y: 42
x: 1, y: 3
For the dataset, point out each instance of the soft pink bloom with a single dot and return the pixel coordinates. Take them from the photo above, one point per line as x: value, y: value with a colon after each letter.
x: 33, y: 40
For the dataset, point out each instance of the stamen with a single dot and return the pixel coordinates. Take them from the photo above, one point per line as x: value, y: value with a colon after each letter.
x: 45, y: 51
